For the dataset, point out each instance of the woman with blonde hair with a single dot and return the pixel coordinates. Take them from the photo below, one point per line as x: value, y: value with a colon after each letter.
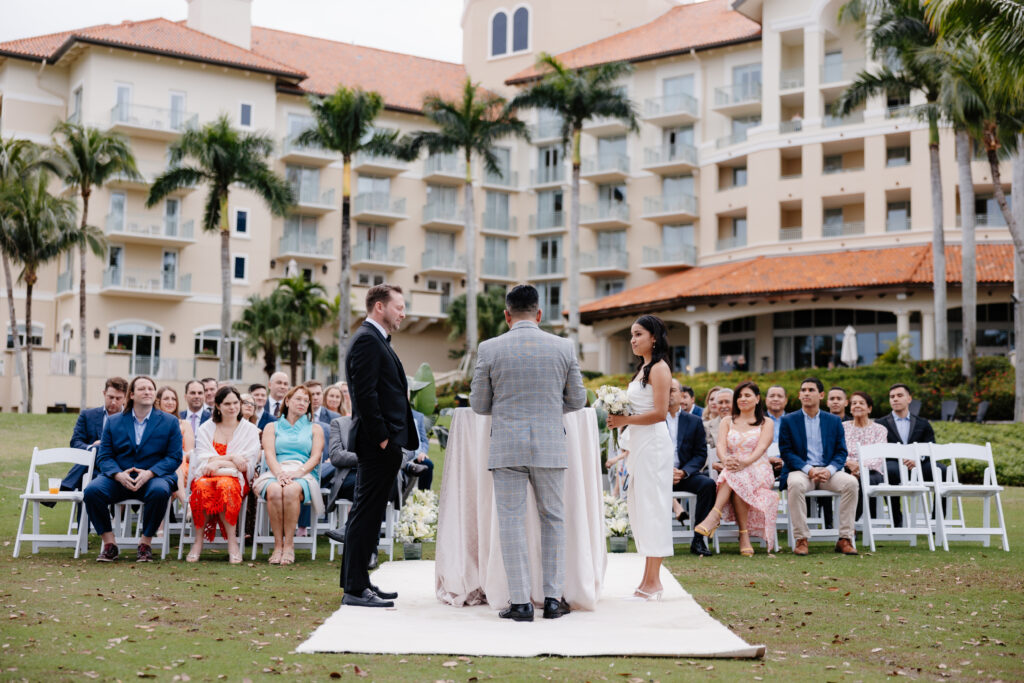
x: 334, y: 399
x: 167, y: 401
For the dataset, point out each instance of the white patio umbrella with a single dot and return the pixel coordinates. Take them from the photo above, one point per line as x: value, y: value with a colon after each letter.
x: 849, y: 353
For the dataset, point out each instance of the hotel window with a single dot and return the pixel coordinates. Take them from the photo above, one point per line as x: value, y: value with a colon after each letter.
x: 739, y: 176
x: 550, y: 300
x: 897, y: 156
x: 739, y: 230
x: 207, y: 343
x: 521, y: 30
x: 499, y: 34
x: 76, y: 106
x: 832, y: 163
x: 242, y: 222
x: 37, y: 335
x: 370, y: 278
x: 240, y: 270
x: 245, y: 115
x: 609, y: 286
x: 897, y: 216
x: 177, y: 110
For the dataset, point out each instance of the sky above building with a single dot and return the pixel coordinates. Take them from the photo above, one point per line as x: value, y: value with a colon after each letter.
x: 426, y: 28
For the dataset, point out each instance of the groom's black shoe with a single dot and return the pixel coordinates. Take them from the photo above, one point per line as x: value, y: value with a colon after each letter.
x: 335, y: 535
x: 698, y: 546
x: 523, y: 612
x: 366, y: 599
x: 555, y: 608
x: 386, y: 595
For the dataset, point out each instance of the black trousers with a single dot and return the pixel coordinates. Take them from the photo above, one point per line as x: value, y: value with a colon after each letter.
x: 895, y: 503
x: 874, y: 478
x: 376, y: 479
x: 705, y: 489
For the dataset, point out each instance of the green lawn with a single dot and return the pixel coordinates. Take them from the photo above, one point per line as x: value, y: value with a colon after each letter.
x: 900, y: 611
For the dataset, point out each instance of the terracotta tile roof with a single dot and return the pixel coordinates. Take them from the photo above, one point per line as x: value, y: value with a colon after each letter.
x: 153, y: 35
x: 774, y: 275
x: 698, y: 27
x: 401, y: 79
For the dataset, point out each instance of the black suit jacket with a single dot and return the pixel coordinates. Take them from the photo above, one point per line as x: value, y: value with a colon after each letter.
x: 691, y: 447
x: 380, y: 393
x: 920, y: 429
x: 88, y: 430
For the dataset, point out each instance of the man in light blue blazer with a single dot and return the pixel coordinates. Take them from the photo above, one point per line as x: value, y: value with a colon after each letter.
x: 138, y: 456
x: 812, y: 444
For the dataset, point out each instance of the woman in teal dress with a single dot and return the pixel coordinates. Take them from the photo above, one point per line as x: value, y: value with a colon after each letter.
x: 292, y: 448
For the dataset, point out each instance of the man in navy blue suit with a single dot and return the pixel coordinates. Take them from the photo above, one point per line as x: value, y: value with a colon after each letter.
x: 691, y: 454
x: 197, y: 412
x: 138, y: 456
x: 813, y: 448
x: 89, y: 427
x: 259, y: 396
x: 688, y: 402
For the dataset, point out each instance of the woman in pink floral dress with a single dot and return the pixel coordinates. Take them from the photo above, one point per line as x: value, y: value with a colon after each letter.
x: 863, y: 431
x: 746, y: 485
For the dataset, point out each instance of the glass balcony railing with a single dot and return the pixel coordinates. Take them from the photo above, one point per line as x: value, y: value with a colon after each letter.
x: 378, y: 253
x: 447, y: 213
x: 309, y: 245
x: 290, y: 146
x: 498, y: 222
x: 843, y: 229
x: 505, y: 178
x: 153, y: 118
x: 604, y: 211
x: 604, y: 259
x: 840, y: 72
x: 65, y: 281
x: 445, y: 164
x: 546, y: 130
x: 743, y: 93
x: 679, y: 254
x: 668, y: 105
x: 146, y: 280
x: 792, y: 126
x: 897, y: 223
x: 312, y: 195
x: 735, y: 242
x: 443, y: 260
x: 729, y: 140
x: 378, y: 202
x: 791, y: 79
x: 670, y: 204
x: 547, y: 175
x: 493, y: 267
x: 790, y: 234
x: 150, y: 226
x: 667, y: 154
x: 605, y: 163
x: 831, y: 121
x: 547, y: 220
x: 545, y: 267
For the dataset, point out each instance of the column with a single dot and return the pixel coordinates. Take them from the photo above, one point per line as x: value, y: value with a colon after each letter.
x: 771, y: 67
x: 713, y: 347
x: 902, y: 323
x: 814, y: 57
x: 928, y: 335
x: 604, y: 356
x: 695, y: 350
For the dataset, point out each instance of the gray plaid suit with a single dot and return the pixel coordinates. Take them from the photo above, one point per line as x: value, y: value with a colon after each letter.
x: 526, y: 379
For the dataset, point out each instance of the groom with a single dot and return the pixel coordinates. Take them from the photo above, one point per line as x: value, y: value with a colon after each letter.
x: 526, y: 379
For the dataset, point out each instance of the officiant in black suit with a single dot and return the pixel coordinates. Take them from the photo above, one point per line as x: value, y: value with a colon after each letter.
x: 382, y: 425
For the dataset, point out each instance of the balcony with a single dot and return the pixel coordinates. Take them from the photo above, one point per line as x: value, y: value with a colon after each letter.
x: 498, y: 269
x: 605, y: 125
x: 793, y: 126
x: 548, y: 176
x: 309, y: 155
x: 305, y: 248
x: 604, y: 215
x: 500, y: 224
x: 547, y: 222
x: 422, y: 308
x: 791, y: 79
x: 447, y: 169
x: 833, y: 170
x: 310, y: 199
x: 379, y: 206
x: 897, y: 224
x: 791, y: 234
x: 546, y: 131
x: 145, y: 283
x: 677, y: 257
x: 506, y: 180
x: 368, y: 255
x: 844, y: 229
x: 670, y: 159
x: 151, y: 122
x: 605, y: 168
x: 830, y: 121
x: 444, y: 216
x: 667, y: 209
x: 671, y: 110
x: 604, y: 262
x: 727, y: 243
x: 738, y: 100
x: 835, y: 77
x: 898, y: 111
x: 547, y: 269
x: 153, y: 229
x: 730, y: 140
x: 373, y: 164
x: 443, y: 263
x: 65, y: 282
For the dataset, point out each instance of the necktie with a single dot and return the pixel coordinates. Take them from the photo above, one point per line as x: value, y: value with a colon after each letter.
x: 193, y: 418
x: 277, y: 409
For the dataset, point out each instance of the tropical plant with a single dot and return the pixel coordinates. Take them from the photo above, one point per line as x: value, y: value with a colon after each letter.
x: 902, y: 41
x: 223, y: 157
x: 88, y: 158
x: 258, y: 329
x: 303, y: 310
x: 424, y: 398
x: 490, y: 320
x: 998, y: 25
x: 343, y: 122
x: 468, y: 126
x: 39, y: 228
x: 578, y: 95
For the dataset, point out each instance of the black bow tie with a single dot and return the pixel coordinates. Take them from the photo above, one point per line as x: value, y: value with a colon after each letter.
x: 388, y: 340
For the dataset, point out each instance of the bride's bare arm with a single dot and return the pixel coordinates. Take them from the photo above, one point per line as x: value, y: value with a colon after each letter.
x: 661, y: 381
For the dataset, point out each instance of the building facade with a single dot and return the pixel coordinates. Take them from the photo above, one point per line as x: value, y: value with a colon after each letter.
x: 738, y: 173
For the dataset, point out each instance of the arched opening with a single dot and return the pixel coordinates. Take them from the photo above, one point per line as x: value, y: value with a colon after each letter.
x: 521, y: 30
x: 499, y: 34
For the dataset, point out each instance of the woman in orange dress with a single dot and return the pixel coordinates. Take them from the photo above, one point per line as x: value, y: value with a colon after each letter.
x: 227, y: 449
x: 167, y: 401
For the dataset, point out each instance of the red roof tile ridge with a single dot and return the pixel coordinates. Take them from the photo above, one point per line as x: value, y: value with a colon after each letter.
x: 923, y: 252
x: 358, y: 46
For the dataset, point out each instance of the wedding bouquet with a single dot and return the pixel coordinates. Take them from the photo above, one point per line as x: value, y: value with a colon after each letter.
x: 614, y: 401
x: 418, y: 521
x: 616, y: 519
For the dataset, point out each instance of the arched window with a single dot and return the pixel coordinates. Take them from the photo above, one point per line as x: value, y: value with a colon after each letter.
x: 521, y: 30
x: 207, y: 343
x: 499, y: 34
x: 142, y: 340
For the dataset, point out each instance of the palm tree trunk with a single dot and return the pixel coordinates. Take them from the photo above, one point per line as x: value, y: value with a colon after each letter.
x: 969, y: 290
x: 472, y: 323
x: 30, y: 280
x: 83, y: 367
x: 938, y: 243
x: 19, y: 364
x: 269, y: 360
x: 345, y: 307
x: 574, y: 245
x: 1017, y: 233
x: 225, y: 290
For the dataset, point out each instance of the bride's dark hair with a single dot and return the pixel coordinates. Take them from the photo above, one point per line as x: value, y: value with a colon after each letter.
x: 659, y: 351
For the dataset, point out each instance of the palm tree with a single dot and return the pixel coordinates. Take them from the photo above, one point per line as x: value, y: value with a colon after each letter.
x: 258, y: 329
x: 997, y: 24
x: 902, y: 40
x: 343, y: 122
x: 223, y: 156
x: 40, y: 227
x: 469, y: 126
x: 303, y: 310
x: 577, y: 95
x: 88, y: 158
x: 490, y: 315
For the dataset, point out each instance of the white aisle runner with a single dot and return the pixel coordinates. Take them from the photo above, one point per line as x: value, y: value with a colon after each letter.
x: 419, y: 624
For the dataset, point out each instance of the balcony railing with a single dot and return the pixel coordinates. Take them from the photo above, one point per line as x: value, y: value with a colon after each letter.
x: 443, y: 260
x: 449, y: 213
x: 897, y: 111
x: 604, y: 259
x: 547, y: 220
x: 154, y: 118
x: 492, y: 267
x: 65, y: 281
x: 894, y: 224
x: 604, y: 211
x: 547, y: 175
x: 667, y: 105
x: 545, y: 267
x: 150, y: 226
x: 296, y: 243
x: 365, y: 158
x: 735, y: 242
x: 844, y: 229
x: 667, y: 154
x: 446, y: 164
x: 790, y: 234
x: 546, y: 130
x: 791, y: 79
x: 988, y: 220
x: 498, y: 222
x: 831, y: 121
x: 379, y: 253
x: 729, y: 140
x: 146, y: 280
x: 605, y: 163
x: 290, y: 146
x: 506, y: 178
x: 379, y: 202
x: 839, y: 72
x: 832, y: 170
x: 679, y: 203
x: 312, y: 195
x: 681, y: 254
x: 737, y: 94
x: 793, y: 126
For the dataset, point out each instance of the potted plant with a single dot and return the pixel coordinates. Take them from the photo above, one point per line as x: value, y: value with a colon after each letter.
x: 417, y: 523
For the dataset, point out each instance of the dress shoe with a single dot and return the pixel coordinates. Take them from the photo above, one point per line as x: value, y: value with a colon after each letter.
x: 845, y: 547
x: 335, y: 535
x: 386, y: 595
x: 801, y: 547
x: 555, y: 608
x: 415, y: 469
x: 698, y: 546
x: 365, y: 599
x: 372, y: 564
x: 523, y: 612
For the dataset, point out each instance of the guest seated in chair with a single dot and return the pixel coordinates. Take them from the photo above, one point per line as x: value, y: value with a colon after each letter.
x: 197, y: 412
x: 167, y: 401
x: 418, y: 465
x: 334, y: 400
x: 690, y: 455
x: 262, y: 414
x: 89, y: 427
x: 138, y: 457
x: 723, y: 408
x: 862, y: 431
x: 292, y: 447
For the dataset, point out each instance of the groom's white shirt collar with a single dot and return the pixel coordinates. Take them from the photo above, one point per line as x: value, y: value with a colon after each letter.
x: 380, y: 328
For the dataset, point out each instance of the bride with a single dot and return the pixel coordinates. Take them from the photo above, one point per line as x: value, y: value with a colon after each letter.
x: 649, y: 496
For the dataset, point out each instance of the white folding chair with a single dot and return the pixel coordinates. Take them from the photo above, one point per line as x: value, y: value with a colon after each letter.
x: 188, y: 528
x: 683, y: 533
x: 955, y: 528
x: 35, y: 495
x: 342, y: 507
x: 911, y: 486
x: 127, y: 524
x: 262, y: 534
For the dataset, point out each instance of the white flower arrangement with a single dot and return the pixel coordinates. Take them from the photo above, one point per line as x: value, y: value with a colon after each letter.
x: 613, y: 400
x: 418, y: 521
x: 616, y: 516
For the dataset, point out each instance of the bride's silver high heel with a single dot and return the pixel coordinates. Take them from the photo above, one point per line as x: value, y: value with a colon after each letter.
x: 644, y: 596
